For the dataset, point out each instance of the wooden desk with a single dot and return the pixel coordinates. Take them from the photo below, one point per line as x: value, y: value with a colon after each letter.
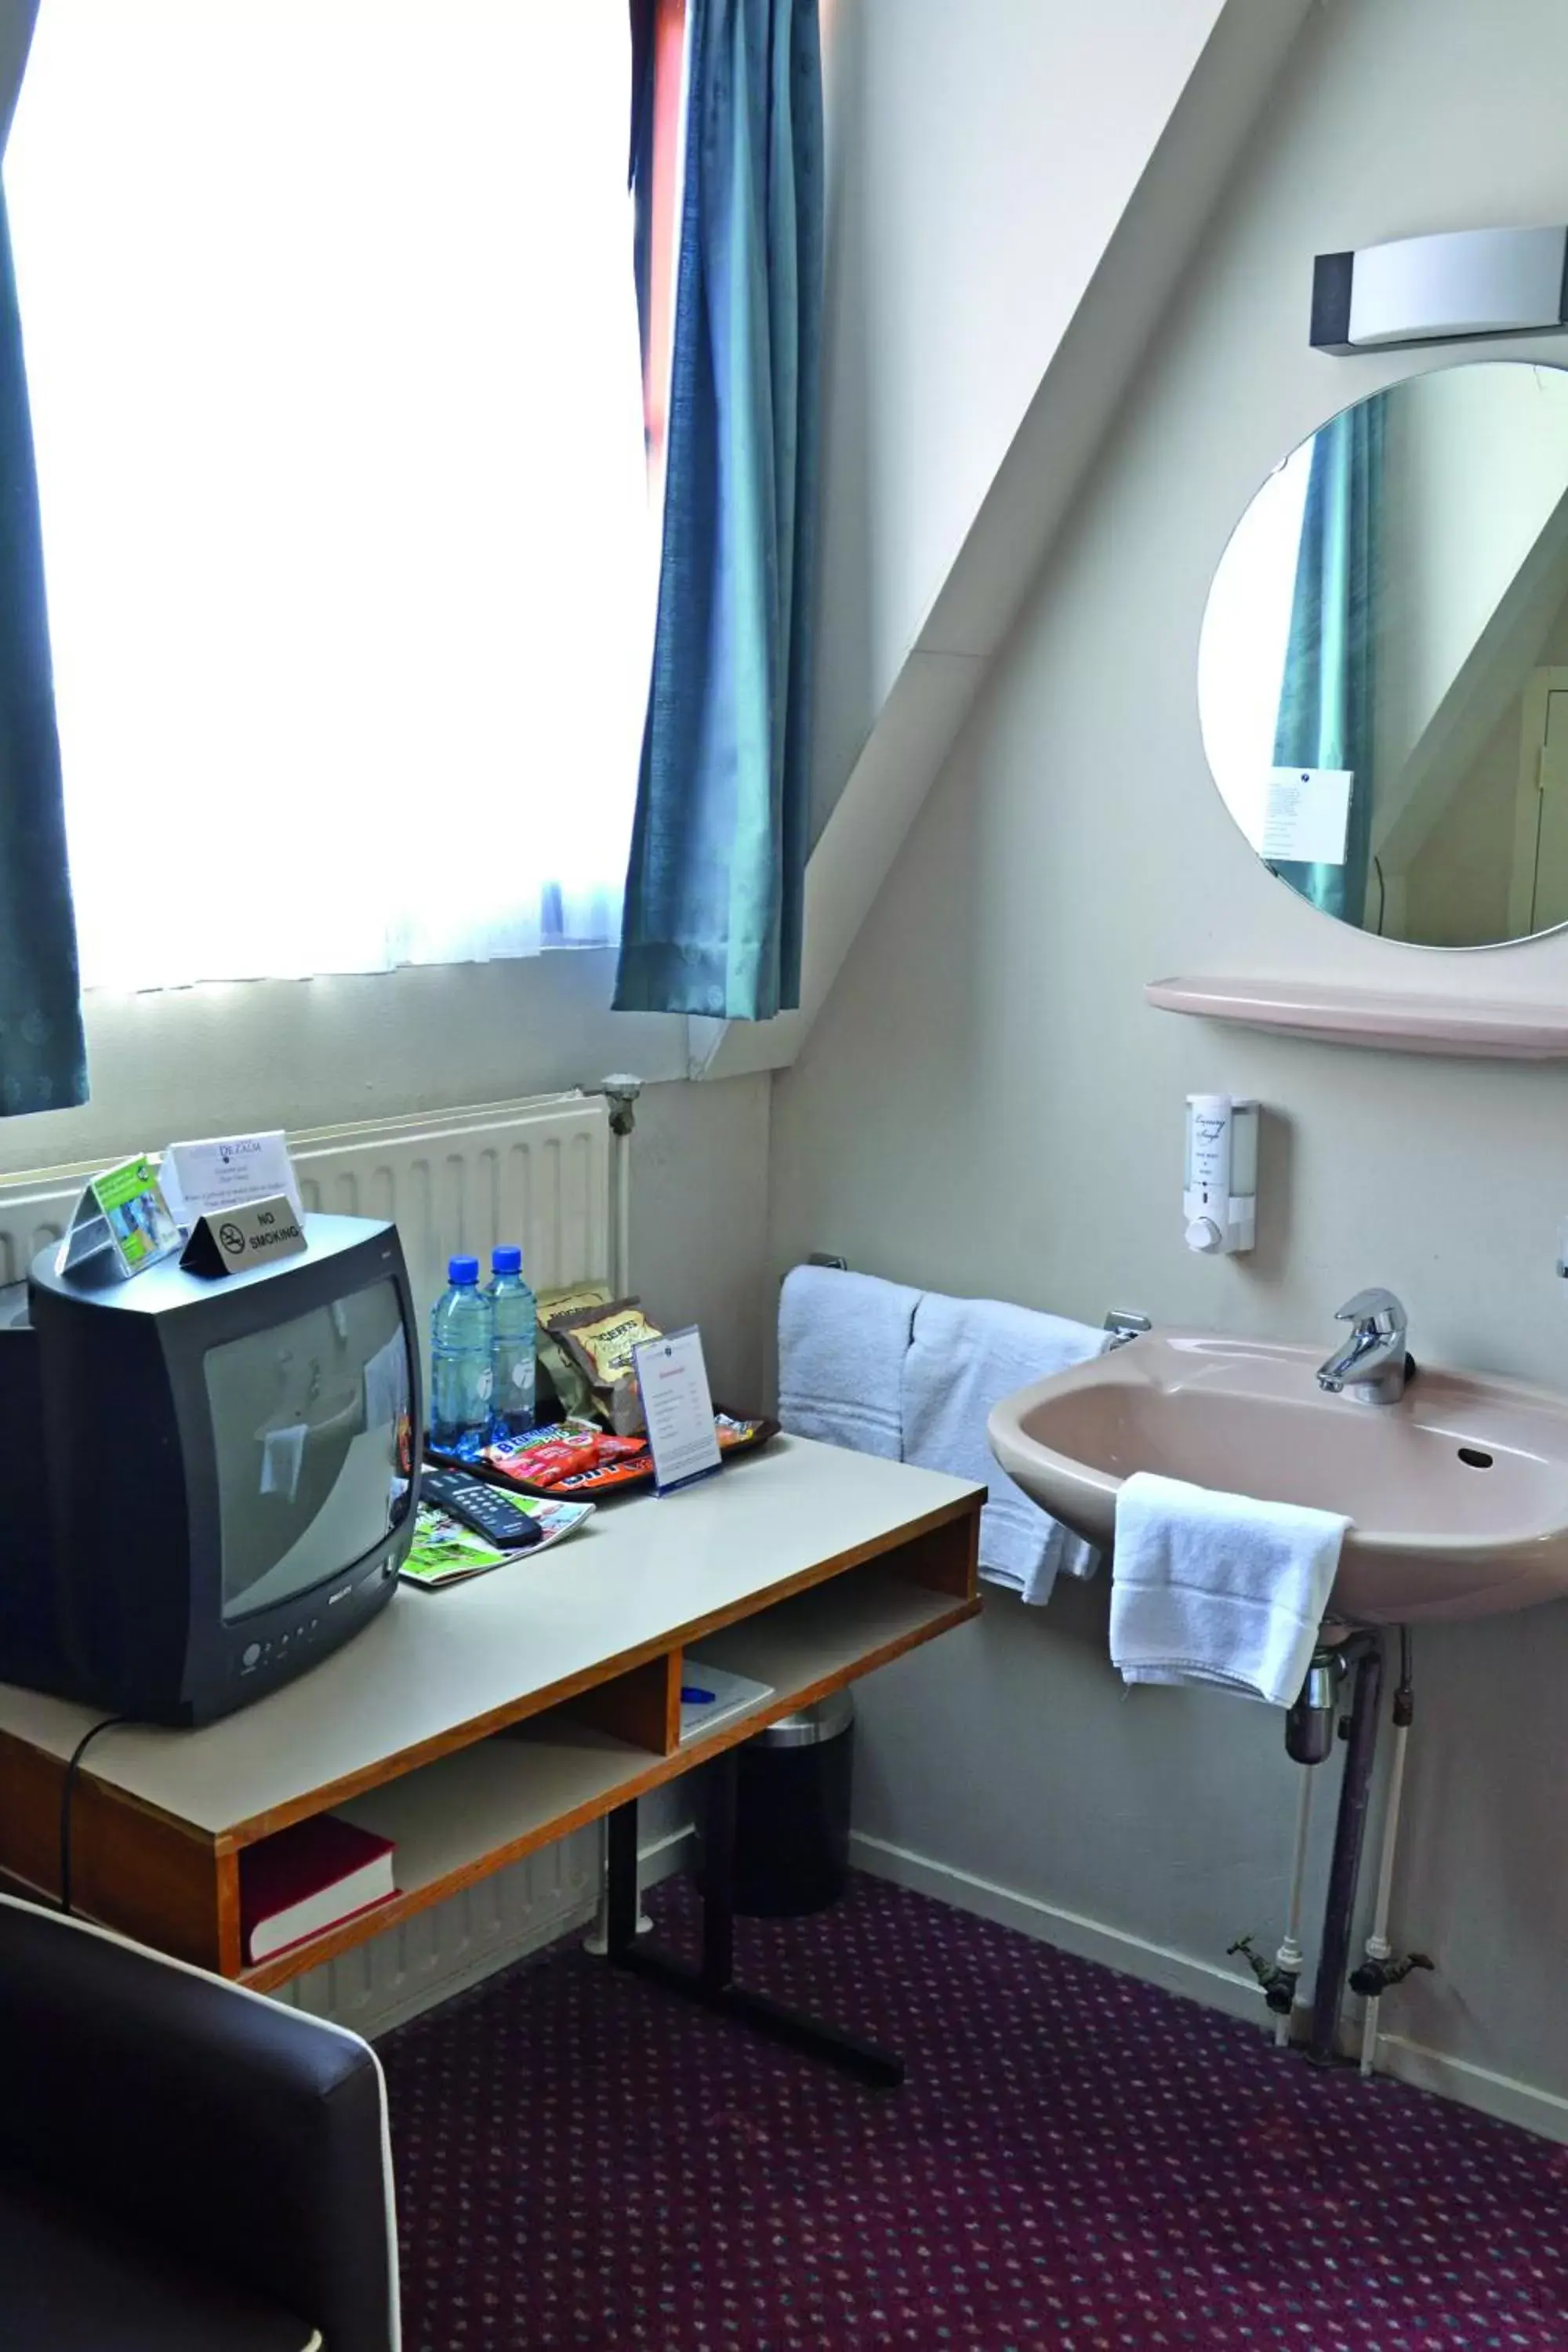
x: 473, y: 1725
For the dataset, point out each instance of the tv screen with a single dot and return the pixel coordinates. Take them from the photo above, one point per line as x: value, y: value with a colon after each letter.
x: 308, y: 1421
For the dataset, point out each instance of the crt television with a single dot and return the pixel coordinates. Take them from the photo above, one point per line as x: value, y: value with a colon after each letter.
x: 205, y: 1484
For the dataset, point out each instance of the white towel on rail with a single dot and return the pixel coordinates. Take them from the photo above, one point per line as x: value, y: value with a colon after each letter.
x: 969, y: 1353
x: 1217, y: 1588
x: 843, y: 1338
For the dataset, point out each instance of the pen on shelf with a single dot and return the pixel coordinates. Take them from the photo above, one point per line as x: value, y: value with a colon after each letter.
x: 690, y: 1696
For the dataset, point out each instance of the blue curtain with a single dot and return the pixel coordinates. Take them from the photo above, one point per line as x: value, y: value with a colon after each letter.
x: 716, y: 876
x: 1326, y: 700
x: 43, y: 1061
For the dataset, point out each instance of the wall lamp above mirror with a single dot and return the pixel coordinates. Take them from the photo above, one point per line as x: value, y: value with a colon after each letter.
x: 1423, y: 290
x: 1383, y: 672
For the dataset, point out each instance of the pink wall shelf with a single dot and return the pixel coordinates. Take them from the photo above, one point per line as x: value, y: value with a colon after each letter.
x: 1374, y: 1016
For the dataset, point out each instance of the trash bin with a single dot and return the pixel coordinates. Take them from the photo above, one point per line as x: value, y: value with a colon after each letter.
x: 792, y: 1811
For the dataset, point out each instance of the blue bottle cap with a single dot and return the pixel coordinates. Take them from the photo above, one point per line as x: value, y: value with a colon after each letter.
x: 505, y: 1258
x: 461, y: 1271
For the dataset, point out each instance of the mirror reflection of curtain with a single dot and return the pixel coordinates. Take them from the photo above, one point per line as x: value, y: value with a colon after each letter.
x: 1326, y: 695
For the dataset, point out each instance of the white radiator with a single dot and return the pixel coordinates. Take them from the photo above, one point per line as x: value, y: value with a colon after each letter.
x: 491, y: 1925
x: 441, y: 1951
x: 535, y: 1172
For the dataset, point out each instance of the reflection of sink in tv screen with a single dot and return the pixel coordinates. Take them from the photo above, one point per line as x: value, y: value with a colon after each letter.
x: 354, y: 1515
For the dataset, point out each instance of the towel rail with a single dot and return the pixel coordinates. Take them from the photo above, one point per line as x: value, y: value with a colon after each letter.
x: 1123, y: 1322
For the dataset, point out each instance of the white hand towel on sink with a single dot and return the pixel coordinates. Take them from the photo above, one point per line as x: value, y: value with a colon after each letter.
x: 967, y: 1354
x: 1217, y: 1588
x: 843, y: 1338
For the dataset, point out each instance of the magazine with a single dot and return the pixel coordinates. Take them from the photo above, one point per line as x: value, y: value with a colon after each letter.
x: 444, y: 1551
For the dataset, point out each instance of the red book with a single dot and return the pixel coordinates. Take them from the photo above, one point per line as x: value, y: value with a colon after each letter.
x: 308, y: 1878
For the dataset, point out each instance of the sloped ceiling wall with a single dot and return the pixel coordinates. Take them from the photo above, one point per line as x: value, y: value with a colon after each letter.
x: 1013, y: 188
x: 980, y: 161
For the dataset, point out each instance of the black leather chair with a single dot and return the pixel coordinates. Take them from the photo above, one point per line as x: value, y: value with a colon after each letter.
x: 185, y: 2167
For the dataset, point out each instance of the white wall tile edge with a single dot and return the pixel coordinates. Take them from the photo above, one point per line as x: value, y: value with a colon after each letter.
x: 1499, y: 2095
x: 1091, y: 1939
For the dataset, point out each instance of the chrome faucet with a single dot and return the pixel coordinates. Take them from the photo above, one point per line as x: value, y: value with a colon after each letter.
x: 1370, y: 1367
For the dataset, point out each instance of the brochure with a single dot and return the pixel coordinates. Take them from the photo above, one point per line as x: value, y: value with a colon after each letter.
x: 444, y: 1551
x: 710, y: 1695
x: 121, y: 1211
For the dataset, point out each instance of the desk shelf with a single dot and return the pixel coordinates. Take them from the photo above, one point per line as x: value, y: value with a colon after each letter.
x: 469, y: 1814
x: 490, y: 1804
x: 822, y: 1639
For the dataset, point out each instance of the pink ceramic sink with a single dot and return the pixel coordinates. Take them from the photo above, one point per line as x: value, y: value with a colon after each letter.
x: 1457, y: 1495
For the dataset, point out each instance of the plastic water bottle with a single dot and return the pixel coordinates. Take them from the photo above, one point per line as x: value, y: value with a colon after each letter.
x: 461, y: 1329
x: 514, y: 1349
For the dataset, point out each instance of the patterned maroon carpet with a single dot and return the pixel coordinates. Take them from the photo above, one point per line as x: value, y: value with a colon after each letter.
x: 1076, y: 2160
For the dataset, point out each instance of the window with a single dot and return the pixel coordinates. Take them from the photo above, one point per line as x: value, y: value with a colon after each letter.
x: 668, y: 27
x: 333, y: 352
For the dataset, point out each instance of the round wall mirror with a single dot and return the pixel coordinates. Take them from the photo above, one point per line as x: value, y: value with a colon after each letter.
x: 1383, y: 676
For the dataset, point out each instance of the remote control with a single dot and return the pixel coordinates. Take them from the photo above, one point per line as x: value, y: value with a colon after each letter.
x: 479, y: 1506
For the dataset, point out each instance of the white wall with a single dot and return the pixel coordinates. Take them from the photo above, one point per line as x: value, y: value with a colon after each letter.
x: 979, y: 162
x: 307, y: 1052
x: 700, y: 1181
x: 988, y: 1104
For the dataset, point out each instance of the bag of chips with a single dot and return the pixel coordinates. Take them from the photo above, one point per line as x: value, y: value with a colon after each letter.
x: 599, y: 1340
x: 573, y: 1392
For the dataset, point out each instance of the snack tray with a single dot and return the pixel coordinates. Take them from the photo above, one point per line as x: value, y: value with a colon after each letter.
x: 608, y: 1478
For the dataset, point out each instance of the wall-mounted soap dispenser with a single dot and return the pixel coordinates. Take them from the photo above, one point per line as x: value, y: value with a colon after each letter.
x: 1219, y: 1197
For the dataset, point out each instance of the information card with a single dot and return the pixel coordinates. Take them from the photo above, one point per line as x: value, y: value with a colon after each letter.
x: 673, y: 1379
x: 222, y: 1171
x: 1309, y: 816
